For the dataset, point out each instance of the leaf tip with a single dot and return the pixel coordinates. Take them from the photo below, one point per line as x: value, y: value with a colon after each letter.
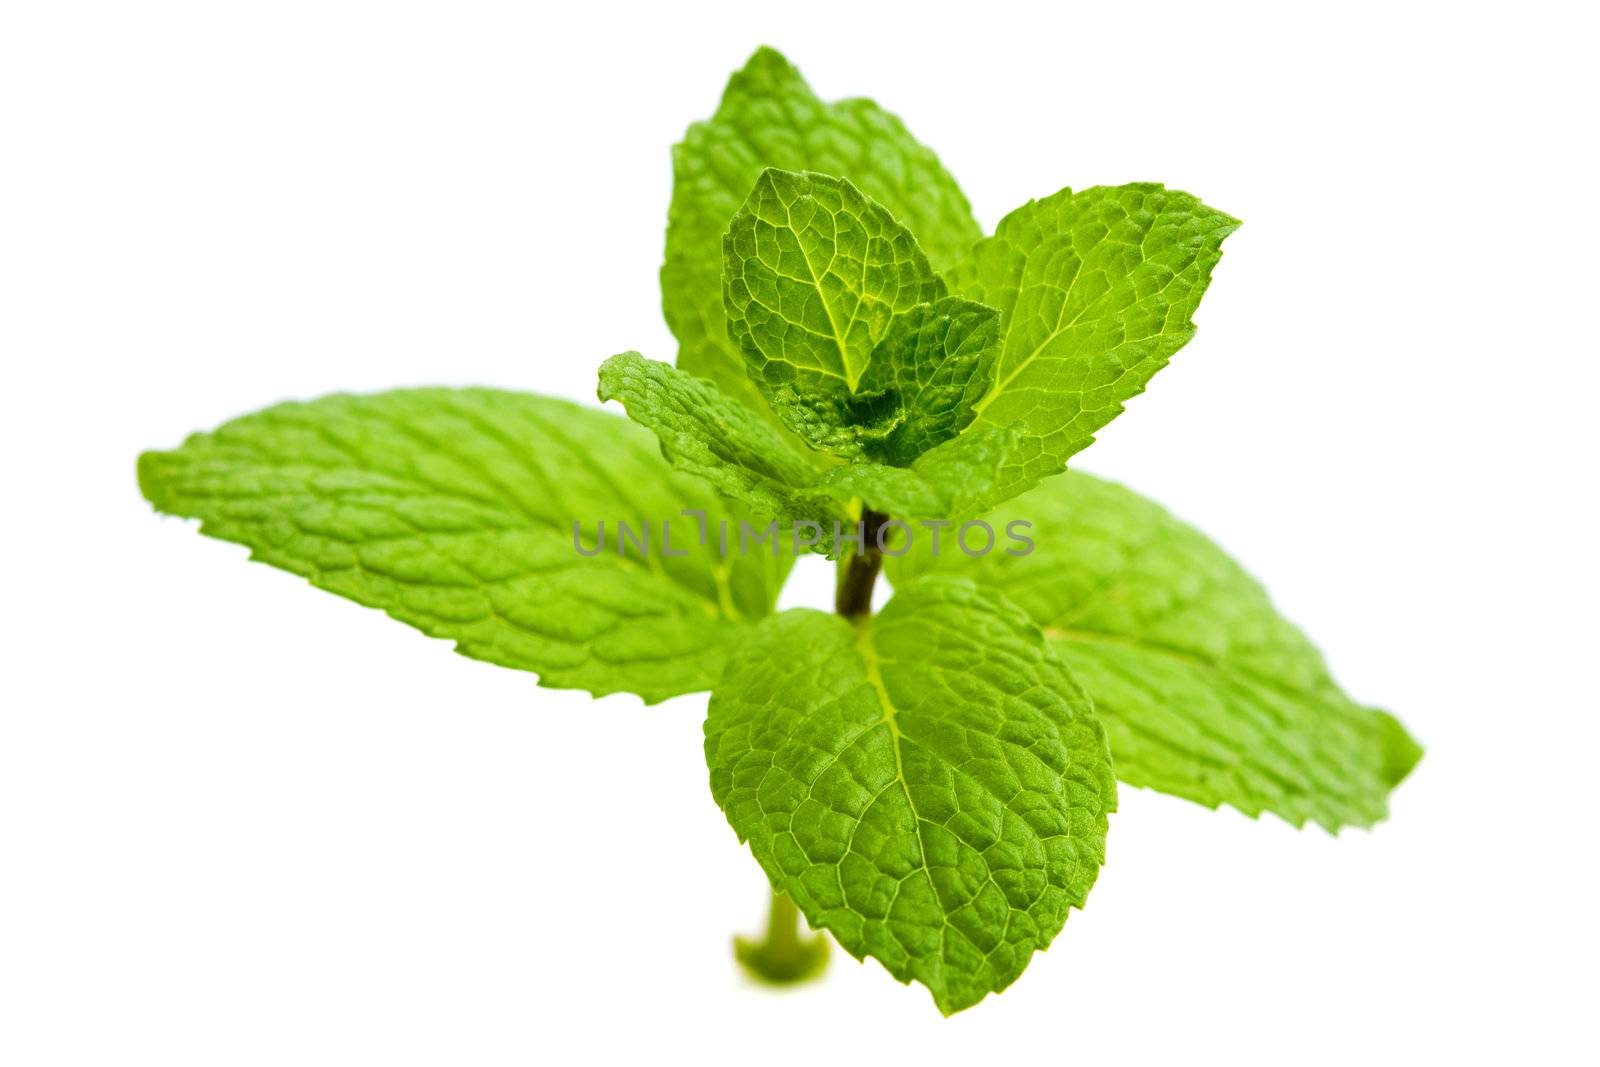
x: 1401, y: 751
x: 151, y: 486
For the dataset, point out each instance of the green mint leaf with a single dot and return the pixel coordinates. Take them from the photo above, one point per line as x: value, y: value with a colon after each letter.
x: 814, y: 274
x: 1096, y: 290
x: 934, y: 363
x: 453, y: 511
x: 956, y: 480
x: 709, y: 435
x: 928, y: 785
x: 1205, y: 690
x: 769, y: 117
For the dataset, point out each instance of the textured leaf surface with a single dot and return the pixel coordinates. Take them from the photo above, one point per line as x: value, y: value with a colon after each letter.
x: 1096, y: 290
x: 712, y: 436
x: 934, y: 363
x: 1205, y: 690
x: 928, y: 785
x: 769, y: 117
x: 957, y: 480
x: 453, y: 511
x: 707, y: 434
x: 814, y: 275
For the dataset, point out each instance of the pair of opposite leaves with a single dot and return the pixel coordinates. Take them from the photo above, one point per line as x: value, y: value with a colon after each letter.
x: 931, y: 785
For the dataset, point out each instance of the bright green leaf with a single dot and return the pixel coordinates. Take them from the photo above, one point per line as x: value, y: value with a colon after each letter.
x: 453, y: 511
x: 707, y: 434
x: 1205, y: 690
x: 814, y: 275
x: 928, y: 785
x: 935, y: 362
x: 710, y: 435
x: 1096, y: 290
x: 769, y: 117
x: 955, y: 480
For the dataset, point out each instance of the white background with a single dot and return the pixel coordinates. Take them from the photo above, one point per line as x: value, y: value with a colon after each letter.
x: 243, y: 822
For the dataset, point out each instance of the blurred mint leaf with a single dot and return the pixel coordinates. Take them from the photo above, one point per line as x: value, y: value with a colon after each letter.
x: 452, y: 510
x: 1205, y: 690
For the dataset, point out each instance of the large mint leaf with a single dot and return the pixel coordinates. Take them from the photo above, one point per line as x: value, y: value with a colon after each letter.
x: 1206, y: 691
x: 1096, y: 290
x: 814, y: 275
x: 769, y: 117
x: 453, y: 511
x: 929, y: 785
x: 709, y: 435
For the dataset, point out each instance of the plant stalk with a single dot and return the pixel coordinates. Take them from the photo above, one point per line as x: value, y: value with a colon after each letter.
x: 853, y: 595
x: 784, y: 956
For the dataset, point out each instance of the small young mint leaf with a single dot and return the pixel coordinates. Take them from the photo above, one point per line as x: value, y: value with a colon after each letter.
x: 707, y: 434
x: 1205, y: 690
x: 1096, y: 290
x: 934, y: 363
x: 452, y: 510
x: 814, y: 275
x: 929, y: 785
x: 769, y: 117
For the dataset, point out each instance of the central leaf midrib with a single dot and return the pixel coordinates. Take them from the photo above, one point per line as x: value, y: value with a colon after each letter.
x: 872, y: 663
x: 827, y: 309
x: 870, y: 660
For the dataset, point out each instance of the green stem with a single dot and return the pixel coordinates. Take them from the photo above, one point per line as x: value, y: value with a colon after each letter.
x: 783, y: 924
x: 853, y: 595
x: 784, y: 957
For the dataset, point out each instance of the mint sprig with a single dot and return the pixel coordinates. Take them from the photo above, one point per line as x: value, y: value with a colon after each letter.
x: 929, y: 785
